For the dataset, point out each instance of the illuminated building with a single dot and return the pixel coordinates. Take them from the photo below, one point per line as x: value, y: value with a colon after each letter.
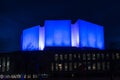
x: 87, y: 34
x: 61, y: 33
x: 58, y: 33
x: 33, y: 38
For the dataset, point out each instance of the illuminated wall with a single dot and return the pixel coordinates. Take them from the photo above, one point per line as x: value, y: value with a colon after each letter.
x: 33, y: 38
x: 58, y: 33
x: 75, y: 35
x: 90, y: 35
x: 61, y: 33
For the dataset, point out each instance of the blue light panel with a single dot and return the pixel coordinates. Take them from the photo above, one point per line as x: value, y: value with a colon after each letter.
x: 100, y: 37
x: 32, y: 39
x: 58, y: 33
x: 41, y: 38
x: 90, y: 35
x: 75, y: 35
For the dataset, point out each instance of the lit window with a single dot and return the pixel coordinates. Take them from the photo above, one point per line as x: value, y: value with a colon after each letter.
x: 3, y: 65
x: 107, y: 56
x: 117, y: 56
x: 0, y: 64
x: 88, y: 56
x: 79, y: 56
x: 56, y: 66
x: 94, y: 66
x: 66, y: 67
x: 29, y: 76
x: 75, y: 65
x: 61, y: 57
x: 56, y: 57
x: 8, y: 63
x: 60, y: 67
x: 93, y: 56
x: 89, y: 66
x: 74, y: 55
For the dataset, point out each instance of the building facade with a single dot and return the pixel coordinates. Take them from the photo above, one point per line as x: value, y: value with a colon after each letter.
x: 57, y: 63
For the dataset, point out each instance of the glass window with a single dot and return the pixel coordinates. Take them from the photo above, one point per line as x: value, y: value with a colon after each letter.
x: 75, y: 65
x: 56, y: 66
x: 79, y: 56
x: 70, y: 56
x: 52, y: 66
x: 117, y: 56
x: 102, y: 56
x: 8, y: 63
x: 79, y: 64
x: 89, y: 66
x: 94, y: 66
x: 108, y: 65
x: 61, y: 57
x: 0, y: 64
x: 74, y: 55
x: 70, y: 66
x: 103, y: 65
x: 93, y: 56
x: 3, y: 65
x: 88, y: 56
x: 98, y: 66
x: 84, y: 56
x: 66, y: 67
x: 56, y: 57
x: 65, y: 56
x: 113, y: 56
x: 107, y: 56
x: 98, y: 55
x: 60, y: 67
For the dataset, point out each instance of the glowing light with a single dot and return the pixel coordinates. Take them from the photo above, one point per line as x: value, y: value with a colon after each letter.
x: 32, y: 39
x: 90, y: 35
x: 64, y: 34
x: 58, y: 33
x: 75, y: 35
x: 41, y: 38
x: 100, y: 37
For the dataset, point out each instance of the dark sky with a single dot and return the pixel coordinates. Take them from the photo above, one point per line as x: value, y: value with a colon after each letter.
x: 16, y: 15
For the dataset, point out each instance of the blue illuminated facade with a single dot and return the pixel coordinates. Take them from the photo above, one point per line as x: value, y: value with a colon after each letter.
x: 31, y: 39
x: 61, y: 33
x: 58, y: 33
x: 90, y: 35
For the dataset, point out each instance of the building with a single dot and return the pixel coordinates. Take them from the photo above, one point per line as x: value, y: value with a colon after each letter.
x: 59, y: 63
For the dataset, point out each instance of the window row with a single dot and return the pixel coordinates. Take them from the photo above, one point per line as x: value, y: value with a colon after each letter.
x: 80, y: 66
x: 4, y: 64
x: 86, y: 56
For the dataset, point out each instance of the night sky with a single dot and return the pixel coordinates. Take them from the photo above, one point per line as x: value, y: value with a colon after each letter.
x: 16, y: 15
